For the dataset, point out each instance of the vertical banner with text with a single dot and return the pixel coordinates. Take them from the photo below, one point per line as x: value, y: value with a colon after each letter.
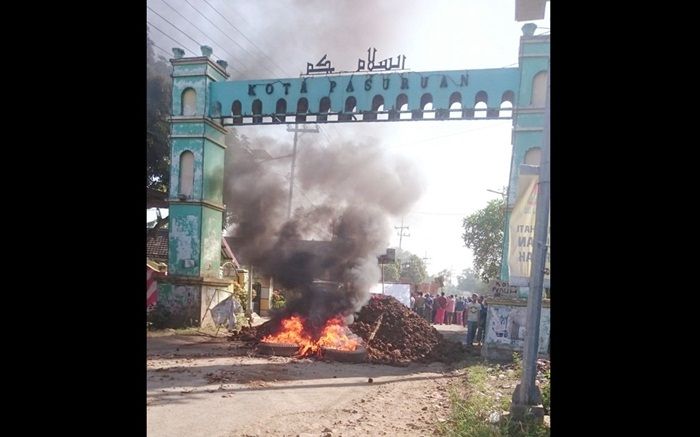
x: 521, y: 229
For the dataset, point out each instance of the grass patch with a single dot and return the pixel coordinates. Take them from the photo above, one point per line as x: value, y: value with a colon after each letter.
x: 518, y: 365
x: 544, y: 388
x: 486, y: 394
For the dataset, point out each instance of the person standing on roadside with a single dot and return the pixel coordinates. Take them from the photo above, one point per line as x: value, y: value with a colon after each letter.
x: 481, y: 327
x: 441, y: 304
x: 429, y: 302
x: 473, y: 310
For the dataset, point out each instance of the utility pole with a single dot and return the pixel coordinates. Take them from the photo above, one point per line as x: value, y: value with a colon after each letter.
x: 294, y: 160
x: 401, y: 234
x: 527, y: 389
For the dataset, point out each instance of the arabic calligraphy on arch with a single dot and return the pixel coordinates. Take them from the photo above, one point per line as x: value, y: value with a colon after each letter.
x: 323, y: 66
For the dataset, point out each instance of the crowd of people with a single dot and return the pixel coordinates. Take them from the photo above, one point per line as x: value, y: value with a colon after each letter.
x: 468, y: 312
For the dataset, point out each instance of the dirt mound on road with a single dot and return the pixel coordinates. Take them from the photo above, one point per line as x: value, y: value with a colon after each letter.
x: 400, y: 335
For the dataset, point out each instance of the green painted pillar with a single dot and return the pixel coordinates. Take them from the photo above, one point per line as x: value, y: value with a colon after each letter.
x: 196, y: 190
x: 527, y: 139
x: 528, y: 117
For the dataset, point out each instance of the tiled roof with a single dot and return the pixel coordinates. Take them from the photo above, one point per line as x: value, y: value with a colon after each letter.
x: 157, y: 246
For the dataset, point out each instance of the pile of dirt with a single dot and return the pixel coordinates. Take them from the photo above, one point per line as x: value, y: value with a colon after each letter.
x: 401, y: 336
x: 393, y: 335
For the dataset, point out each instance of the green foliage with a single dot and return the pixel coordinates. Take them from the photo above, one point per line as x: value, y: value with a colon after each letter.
x: 278, y: 300
x: 483, y: 233
x: 158, y: 101
x: 413, y: 270
x: 408, y: 268
x: 524, y: 428
x: 446, y: 276
x: 241, y: 294
x: 469, y: 280
x: 392, y: 272
x: 545, y: 389
x: 470, y: 415
x: 518, y: 364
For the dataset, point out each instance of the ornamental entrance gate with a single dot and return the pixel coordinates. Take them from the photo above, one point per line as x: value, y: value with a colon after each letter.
x: 205, y: 102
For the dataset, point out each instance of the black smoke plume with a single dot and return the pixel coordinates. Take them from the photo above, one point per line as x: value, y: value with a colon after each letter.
x: 325, y: 254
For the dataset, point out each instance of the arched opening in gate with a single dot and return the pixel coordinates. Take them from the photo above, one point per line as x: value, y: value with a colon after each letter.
x: 216, y: 110
x: 323, y: 109
x: 349, y: 110
x: 455, y: 105
x: 506, y: 109
x: 401, y: 111
x: 480, y: 104
x: 375, y: 109
x: 236, y: 115
x: 539, y: 90
x: 302, y: 109
x: 186, y: 180
x: 189, y: 102
x: 280, y: 111
x: 257, y: 111
x: 426, y: 104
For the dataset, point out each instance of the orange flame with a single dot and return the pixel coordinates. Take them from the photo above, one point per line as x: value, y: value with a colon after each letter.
x: 335, y: 335
x: 292, y: 332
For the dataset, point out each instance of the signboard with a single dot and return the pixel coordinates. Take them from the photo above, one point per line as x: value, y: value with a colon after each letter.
x: 361, y: 95
x: 503, y: 289
x: 522, y: 227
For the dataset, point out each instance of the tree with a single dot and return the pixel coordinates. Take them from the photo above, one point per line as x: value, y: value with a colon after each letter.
x: 413, y: 269
x: 444, y: 280
x: 469, y: 281
x: 408, y: 268
x: 158, y: 100
x: 483, y: 233
x: 446, y: 276
x: 392, y: 272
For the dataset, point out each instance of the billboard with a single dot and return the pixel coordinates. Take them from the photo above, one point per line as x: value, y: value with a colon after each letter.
x: 521, y: 229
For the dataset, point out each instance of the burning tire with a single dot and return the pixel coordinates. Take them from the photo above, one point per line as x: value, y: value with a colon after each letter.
x: 278, y: 349
x: 357, y: 356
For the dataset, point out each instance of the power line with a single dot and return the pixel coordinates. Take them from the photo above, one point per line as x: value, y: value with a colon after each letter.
x: 176, y: 28
x: 232, y: 57
x: 246, y: 38
x: 225, y: 34
x: 401, y: 234
x: 171, y: 38
x: 162, y: 50
x: 237, y: 14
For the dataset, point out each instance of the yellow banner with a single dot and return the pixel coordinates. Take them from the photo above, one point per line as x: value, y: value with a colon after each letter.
x: 521, y: 230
